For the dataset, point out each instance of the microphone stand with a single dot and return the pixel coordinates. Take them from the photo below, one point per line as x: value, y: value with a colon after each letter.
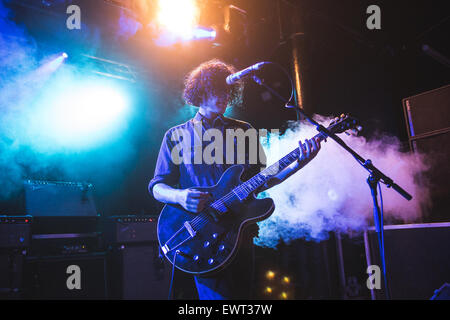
x: 375, y: 177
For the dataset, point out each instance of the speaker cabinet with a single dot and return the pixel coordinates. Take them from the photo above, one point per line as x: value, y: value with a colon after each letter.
x: 136, y: 269
x: 78, y: 276
x: 428, y: 125
x: 417, y: 259
x: 137, y: 272
x: 15, y: 234
x: 11, y: 273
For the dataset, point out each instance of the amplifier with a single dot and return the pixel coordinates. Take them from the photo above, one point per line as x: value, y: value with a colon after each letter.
x: 417, y: 258
x: 65, y: 243
x: 48, y: 225
x: 11, y: 273
x: 135, y: 266
x: 137, y: 271
x: 15, y: 231
x: 54, y: 198
x: 130, y: 229
x: 78, y: 276
x: 65, y: 235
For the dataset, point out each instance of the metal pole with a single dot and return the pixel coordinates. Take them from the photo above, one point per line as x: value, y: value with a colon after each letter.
x: 296, y: 40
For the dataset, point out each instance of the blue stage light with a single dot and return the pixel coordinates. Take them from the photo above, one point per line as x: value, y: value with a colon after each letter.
x: 203, y: 33
x: 81, y: 114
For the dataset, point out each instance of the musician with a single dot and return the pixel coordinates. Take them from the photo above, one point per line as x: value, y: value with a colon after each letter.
x: 205, y: 88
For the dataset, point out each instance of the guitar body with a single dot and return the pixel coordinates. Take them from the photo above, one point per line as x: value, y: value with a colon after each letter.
x: 205, y: 243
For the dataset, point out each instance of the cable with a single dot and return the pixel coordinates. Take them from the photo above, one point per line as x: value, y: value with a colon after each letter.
x: 173, y: 273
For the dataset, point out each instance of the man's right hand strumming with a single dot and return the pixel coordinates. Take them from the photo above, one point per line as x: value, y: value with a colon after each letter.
x: 193, y: 200
x: 190, y: 199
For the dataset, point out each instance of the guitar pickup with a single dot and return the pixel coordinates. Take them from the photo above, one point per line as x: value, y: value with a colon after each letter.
x: 213, y: 214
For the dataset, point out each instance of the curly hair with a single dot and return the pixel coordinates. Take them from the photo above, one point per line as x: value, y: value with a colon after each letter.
x: 209, y: 79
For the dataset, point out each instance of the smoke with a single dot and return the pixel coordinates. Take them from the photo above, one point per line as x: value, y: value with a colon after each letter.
x: 128, y: 26
x: 28, y: 81
x: 16, y: 59
x: 331, y: 193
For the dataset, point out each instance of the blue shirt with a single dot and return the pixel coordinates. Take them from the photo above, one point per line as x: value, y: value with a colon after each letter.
x: 191, y: 173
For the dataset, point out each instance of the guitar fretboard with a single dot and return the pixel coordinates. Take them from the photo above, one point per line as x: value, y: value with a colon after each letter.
x: 251, y: 185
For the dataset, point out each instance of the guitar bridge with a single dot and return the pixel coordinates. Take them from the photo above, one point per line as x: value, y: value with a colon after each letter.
x: 189, y: 228
x: 186, y: 226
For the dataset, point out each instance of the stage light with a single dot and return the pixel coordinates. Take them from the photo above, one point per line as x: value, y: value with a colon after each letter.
x: 49, y: 66
x: 268, y: 290
x: 286, y: 280
x: 284, y: 295
x: 178, y: 17
x: 270, y: 274
x: 81, y: 114
x: 200, y: 33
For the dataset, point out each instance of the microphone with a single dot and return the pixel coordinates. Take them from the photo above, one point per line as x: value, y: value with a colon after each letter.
x: 234, y: 77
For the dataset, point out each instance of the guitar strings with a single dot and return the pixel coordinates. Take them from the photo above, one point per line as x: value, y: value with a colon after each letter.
x: 199, y: 221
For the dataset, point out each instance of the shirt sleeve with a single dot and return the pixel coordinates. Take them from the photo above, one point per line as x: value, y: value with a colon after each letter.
x: 166, y: 171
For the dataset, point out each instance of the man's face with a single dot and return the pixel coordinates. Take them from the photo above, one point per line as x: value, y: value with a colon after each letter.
x: 217, y: 104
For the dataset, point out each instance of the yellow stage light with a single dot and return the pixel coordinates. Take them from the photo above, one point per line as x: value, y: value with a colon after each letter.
x: 286, y: 280
x: 270, y: 275
x: 268, y: 290
x: 283, y: 295
x: 179, y: 17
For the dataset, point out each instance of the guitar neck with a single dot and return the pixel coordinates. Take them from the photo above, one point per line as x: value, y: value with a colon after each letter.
x: 252, y: 184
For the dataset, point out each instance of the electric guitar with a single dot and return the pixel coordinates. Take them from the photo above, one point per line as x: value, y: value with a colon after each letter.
x: 206, y: 242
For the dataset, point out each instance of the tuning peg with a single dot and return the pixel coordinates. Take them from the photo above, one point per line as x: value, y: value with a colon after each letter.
x: 354, y: 131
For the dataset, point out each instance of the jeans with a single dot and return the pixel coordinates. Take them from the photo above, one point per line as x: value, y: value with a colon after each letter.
x: 235, y: 282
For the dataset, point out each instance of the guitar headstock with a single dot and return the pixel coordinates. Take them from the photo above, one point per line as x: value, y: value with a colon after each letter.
x: 344, y: 123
